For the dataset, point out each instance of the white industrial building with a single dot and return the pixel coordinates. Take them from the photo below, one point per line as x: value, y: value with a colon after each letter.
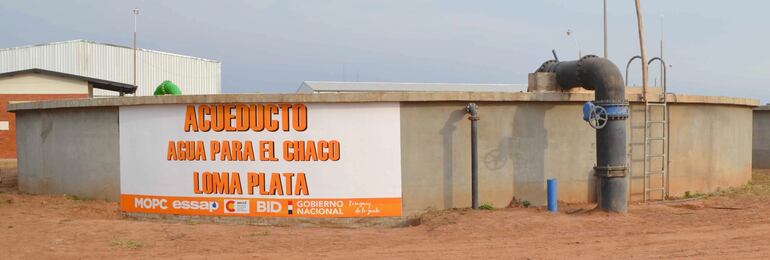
x: 336, y: 87
x: 115, y: 63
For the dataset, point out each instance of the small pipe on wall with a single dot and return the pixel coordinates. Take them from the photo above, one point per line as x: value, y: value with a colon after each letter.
x: 473, y: 110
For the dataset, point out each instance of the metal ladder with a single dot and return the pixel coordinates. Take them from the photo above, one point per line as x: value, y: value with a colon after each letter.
x: 656, y: 143
x: 651, y: 171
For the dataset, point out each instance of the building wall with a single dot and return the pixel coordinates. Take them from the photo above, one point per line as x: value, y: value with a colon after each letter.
x: 115, y: 63
x: 761, y: 139
x: 37, y: 83
x: 69, y: 151
x: 31, y: 87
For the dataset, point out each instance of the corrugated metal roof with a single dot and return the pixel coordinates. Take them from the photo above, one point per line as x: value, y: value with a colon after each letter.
x: 106, y: 44
x: 333, y: 86
x: 111, y: 62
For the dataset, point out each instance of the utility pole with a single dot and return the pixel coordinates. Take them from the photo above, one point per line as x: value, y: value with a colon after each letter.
x: 662, y: 66
x: 641, y: 46
x: 605, y: 29
x: 136, y: 14
x: 571, y: 33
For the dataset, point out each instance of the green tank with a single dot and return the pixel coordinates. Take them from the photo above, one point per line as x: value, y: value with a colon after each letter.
x: 167, y: 88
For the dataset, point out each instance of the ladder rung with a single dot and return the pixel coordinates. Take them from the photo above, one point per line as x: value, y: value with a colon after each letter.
x: 654, y: 189
x: 656, y: 155
x: 657, y: 122
x: 655, y: 138
x: 656, y: 172
x: 657, y: 104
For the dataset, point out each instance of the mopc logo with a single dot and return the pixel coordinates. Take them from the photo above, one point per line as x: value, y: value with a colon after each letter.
x: 150, y: 203
x: 237, y: 206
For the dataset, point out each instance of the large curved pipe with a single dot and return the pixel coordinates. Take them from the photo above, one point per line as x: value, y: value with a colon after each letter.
x: 601, y: 75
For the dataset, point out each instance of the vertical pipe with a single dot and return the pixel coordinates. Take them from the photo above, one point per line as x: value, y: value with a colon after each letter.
x: 640, y: 24
x: 551, y: 189
x: 136, y: 14
x: 472, y: 109
x: 594, y: 73
x: 134, y: 45
x: 134, y: 58
x: 605, y: 29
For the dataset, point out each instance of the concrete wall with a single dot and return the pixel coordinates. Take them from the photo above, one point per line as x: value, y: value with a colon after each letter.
x: 524, y: 139
x: 69, y: 151
x: 521, y: 144
x: 710, y: 148
x: 761, y: 139
x: 8, y: 134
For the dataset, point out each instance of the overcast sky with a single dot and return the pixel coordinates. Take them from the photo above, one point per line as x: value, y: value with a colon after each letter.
x: 714, y: 47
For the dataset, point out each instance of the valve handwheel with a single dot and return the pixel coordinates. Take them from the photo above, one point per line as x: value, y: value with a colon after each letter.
x: 598, y: 117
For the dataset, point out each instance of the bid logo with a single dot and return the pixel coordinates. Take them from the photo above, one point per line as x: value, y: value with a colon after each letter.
x: 268, y: 206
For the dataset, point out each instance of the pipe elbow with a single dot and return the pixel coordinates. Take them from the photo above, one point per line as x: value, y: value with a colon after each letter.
x: 473, y: 110
x: 602, y: 75
x: 590, y: 72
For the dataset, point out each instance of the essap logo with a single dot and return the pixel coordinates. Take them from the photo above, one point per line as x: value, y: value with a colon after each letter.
x: 165, y: 204
x: 237, y: 206
x: 209, y: 206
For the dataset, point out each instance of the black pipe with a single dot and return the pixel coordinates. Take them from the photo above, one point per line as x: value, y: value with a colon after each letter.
x: 594, y: 73
x: 473, y: 110
x: 553, y: 51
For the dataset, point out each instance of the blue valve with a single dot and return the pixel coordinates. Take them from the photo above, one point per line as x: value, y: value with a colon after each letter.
x: 587, y: 108
x: 595, y: 115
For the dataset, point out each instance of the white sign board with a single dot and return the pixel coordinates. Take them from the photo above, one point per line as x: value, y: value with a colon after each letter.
x: 262, y: 159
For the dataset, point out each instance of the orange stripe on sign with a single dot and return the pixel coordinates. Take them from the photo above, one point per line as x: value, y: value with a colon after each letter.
x: 257, y: 207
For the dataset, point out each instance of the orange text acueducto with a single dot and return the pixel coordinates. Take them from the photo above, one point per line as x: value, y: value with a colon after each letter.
x: 247, y: 117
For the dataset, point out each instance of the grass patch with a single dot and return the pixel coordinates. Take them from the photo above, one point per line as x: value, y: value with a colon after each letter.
x: 486, y: 206
x: 758, y: 186
x: 76, y: 198
x: 262, y: 234
x: 127, y: 244
x: 516, y: 203
x: 690, y: 195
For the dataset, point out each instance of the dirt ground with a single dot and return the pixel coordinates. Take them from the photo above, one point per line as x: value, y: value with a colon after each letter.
x: 731, y: 224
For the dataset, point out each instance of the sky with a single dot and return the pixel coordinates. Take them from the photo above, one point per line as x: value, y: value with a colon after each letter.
x: 713, y: 47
